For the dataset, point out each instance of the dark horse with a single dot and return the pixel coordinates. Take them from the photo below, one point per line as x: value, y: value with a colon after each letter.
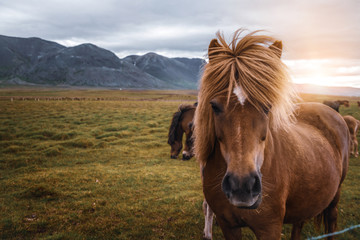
x: 265, y: 160
x: 336, y: 104
x: 182, y: 123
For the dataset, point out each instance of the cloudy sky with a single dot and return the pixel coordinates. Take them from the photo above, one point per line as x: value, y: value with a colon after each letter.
x: 321, y: 37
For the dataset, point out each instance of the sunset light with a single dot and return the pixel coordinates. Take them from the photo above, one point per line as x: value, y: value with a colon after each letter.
x: 325, y: 72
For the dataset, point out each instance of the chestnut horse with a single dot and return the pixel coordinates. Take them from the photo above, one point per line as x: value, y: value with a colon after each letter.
x: 353, y: 125
x: 182, y: 123
x: 336, y: 104
x: 265, y: 160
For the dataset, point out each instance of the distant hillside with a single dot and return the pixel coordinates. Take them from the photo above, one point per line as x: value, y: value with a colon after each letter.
x: 34, y: 61
x: 180, y: 72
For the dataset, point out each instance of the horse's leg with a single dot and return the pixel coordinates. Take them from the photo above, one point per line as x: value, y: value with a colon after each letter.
x: 296, y: 230
x: 356, y: 146
x: 330, y: 215
x: 269, y: 232
x: 208, y: 221
x: 229, y: 233
x: 352, y: 147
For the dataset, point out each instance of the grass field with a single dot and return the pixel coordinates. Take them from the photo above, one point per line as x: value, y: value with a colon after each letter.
x: 102, y: 169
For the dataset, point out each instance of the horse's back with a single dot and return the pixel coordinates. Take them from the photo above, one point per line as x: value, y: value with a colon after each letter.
x: 329, y: 123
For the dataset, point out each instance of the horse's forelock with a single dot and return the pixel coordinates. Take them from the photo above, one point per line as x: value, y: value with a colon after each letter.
x: 248, y: 63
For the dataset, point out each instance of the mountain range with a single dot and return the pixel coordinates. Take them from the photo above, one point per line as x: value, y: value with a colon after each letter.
x: 34, y: 61
x: 38, y: 62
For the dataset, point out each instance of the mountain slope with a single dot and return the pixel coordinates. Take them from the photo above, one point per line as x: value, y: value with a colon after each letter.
x: 17, y: 55
x: 83, y: 65
x: 183, y: 73
x: 37, y: 61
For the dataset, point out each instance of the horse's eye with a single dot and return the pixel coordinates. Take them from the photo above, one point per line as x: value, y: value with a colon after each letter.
x: 216, y: 108
x: 266, y: 109
x: 263, y: 138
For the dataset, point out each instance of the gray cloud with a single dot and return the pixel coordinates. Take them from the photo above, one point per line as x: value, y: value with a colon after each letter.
x: 310, y: 29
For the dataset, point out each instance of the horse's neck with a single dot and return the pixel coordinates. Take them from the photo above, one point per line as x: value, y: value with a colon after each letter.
x: 179, y: 132
x: 186, y: 118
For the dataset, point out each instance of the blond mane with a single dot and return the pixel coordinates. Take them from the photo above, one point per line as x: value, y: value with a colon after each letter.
x: 253, y: 65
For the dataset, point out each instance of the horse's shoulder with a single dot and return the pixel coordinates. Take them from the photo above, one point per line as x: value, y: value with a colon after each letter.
x: 328, y: 122
x: 313, y: 112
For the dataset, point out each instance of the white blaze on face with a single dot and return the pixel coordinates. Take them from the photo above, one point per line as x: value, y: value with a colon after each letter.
x: 240, y: 94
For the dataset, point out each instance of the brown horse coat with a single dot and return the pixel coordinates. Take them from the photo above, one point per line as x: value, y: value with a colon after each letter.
x: 354, y: 126
x: 294, y: 184
x: 292, y: 168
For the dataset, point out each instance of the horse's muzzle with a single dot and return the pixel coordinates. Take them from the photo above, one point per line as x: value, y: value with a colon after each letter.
x: 243, y: 192
x: 187, y: 155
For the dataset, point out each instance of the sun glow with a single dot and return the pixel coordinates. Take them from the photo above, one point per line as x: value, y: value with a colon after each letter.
x: 325, y: 72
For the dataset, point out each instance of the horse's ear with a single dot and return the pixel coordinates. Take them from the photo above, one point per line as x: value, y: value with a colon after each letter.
x: 276, y: 47
x: 212, y: 48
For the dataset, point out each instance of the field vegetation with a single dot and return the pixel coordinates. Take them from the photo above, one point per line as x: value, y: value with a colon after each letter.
x: 93, y: 169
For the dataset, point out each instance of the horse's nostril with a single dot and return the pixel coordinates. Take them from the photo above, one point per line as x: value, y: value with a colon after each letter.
x: 253, y: 185
x: 226, y: 186
x: 249, y: 184
x: 256, y: 189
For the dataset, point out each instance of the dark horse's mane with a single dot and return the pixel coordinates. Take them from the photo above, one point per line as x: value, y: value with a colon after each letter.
x: 175, y: 121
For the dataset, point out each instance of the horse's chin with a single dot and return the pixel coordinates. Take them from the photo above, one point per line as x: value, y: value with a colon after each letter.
x: 253, y: 204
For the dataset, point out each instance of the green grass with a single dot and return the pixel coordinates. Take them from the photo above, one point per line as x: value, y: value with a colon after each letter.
x: 102, y: 170
x: 95, y: 94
